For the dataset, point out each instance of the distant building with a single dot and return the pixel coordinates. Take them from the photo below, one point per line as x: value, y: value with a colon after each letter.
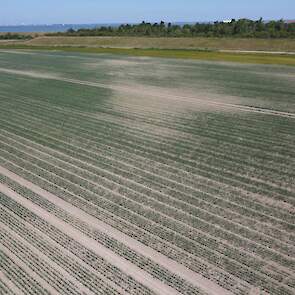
x: 290, y: 21
x: 227, y: 21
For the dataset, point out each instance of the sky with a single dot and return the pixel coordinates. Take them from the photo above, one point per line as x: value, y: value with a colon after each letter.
x: 16, y: 12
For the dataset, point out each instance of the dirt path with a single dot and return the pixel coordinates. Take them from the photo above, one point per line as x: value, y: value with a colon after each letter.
x: 147, y: 91
x: 188, y: 275
x: 125, y: 266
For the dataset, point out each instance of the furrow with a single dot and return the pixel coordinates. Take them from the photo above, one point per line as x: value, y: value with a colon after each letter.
x: 231, y: 265
x: 156, y: 286
x: 224, y: 158
x: 89, y: 147
x: 199, y: 212
x: 26, y: 252
x: 89, y: 269
x: 237, y: 180
x: 93, y: 170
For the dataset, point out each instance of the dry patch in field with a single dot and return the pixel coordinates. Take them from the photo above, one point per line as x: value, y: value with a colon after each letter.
x: 31, y: 74
x: 201, y: 102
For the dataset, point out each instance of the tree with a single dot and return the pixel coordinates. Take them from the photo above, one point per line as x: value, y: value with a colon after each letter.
x: 235, y: 28
x: 71, y: 31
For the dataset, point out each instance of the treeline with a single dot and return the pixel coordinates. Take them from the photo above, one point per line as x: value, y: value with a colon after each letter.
x: 243, y: 28
x: 15, y: 36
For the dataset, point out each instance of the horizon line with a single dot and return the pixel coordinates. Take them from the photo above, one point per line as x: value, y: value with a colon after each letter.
x: 135, y: 22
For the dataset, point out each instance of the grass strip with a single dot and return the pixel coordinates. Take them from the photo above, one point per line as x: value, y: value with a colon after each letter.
x: 256, y: 58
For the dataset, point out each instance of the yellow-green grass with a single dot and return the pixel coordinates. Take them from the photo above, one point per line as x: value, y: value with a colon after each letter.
x: 170, y: 43
x: 259, y: 58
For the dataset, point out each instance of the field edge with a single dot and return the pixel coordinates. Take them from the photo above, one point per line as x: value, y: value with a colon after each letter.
x: 196, y: 54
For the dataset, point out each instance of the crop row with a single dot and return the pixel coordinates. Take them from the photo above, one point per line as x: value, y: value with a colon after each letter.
x: 107, y: 169
x: 215, y: 120
x: 280, y: 174
x: 100, y: 164
x: 166, y: 135
x: 99, y: 271
x: 36, y: 264
x: 211, y: 172
x: 139, y: 231
x: 152, y: 240
x: 219, y: 122
x: 19, y: 277
x: 62, y: 144
x: 115, y: 246
x: 202, y: 192
x: 4, y: 288
x: 184, y: 223
x: 206, y: 170
x: 203, y: 155
x: 234, y: 267
x: 183, y: 120
x: 179, y: 144
x: 110, y: 182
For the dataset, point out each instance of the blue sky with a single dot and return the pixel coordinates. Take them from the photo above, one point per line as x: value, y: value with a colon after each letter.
x: 95, y: 11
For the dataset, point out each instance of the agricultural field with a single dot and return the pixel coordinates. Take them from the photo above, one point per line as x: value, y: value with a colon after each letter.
x: 225, y: 43
x: 256, y: 57
x: 142, y: 175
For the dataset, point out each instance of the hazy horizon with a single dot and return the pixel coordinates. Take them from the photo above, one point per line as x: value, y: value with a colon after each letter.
x: 119, y: 23
x: 33, y: 12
